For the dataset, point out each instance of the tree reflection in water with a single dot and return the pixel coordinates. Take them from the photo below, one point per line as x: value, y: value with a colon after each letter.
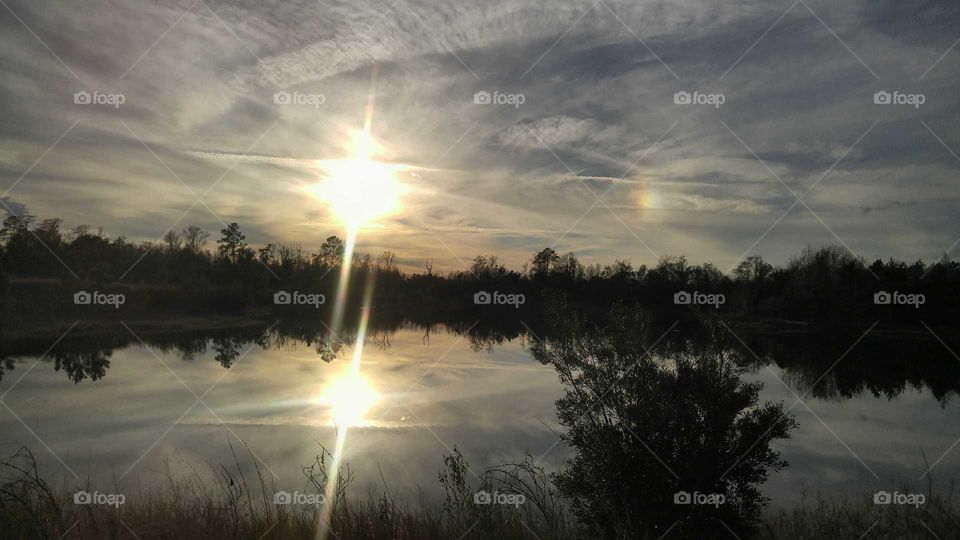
x: 649, y: 433
x: 884, y: 363
x: 80, y: 365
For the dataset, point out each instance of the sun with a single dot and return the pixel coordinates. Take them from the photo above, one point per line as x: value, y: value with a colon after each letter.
x: 350, y: 398
x: 358, y: 190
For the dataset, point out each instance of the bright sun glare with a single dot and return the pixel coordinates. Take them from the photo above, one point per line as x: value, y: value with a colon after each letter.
x: 350, y: 398
x: 359, y: 189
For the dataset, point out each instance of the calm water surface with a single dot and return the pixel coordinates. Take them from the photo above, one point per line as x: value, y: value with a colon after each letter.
x: 141, y: 420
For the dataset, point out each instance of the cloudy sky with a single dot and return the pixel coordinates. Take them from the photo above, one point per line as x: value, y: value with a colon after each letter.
x: 782, y: 146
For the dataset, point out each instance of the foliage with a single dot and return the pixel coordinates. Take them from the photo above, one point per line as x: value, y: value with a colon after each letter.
x: 828, y: 283
x: 644, y: 428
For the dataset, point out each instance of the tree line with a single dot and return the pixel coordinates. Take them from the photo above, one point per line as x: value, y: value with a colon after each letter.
x: 188, y: 270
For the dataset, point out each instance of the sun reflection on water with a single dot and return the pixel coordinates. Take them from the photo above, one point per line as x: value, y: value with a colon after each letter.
x: 350, y: 398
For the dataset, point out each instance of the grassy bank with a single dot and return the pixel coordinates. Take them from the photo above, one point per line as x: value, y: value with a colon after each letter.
x: 234, y: 506
x: 938, y: 517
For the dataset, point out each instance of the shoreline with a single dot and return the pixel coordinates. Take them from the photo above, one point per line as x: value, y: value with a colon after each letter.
x: 173, y: 324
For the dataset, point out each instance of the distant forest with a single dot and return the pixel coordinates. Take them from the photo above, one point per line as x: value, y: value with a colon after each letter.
x: 42, y: 266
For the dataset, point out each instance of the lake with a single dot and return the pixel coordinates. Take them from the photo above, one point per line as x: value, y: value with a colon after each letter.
x: 129, y: 412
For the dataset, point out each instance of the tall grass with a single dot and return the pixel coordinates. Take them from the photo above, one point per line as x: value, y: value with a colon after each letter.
x: 233, y: 506
x: 937, y: 518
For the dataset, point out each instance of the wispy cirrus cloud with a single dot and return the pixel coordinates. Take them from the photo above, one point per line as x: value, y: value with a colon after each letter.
x: 598, y: 84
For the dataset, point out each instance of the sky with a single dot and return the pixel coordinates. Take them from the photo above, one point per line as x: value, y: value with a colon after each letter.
x: 631, y: 130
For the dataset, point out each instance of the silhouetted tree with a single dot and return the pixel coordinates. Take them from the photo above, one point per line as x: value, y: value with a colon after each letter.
x: 14, y: 226
x: 753, y: 268
x: 387, y: 261
x: 644, y: 432
x: 48, y: 232
x: 195, y: 239
x: 172, y: 240
x: 80, y: 365
x: 268, y: 254
x: 827, y: 283
x: 543, y: 261
x: 331, y: 252
x: 227, y: 350
x: 232, y: 242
